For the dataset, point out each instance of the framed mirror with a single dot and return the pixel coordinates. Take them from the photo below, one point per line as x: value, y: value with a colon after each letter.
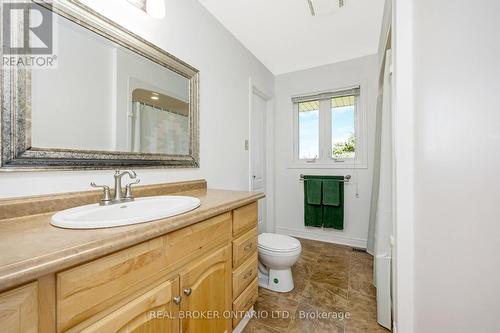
x: 99, y: 96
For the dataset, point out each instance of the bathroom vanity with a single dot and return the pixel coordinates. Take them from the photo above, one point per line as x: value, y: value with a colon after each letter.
x: 195, y: 272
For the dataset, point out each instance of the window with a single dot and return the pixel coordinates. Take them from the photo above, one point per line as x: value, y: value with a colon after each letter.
x: 309, y: 130
x: 343, y: 127
x: 328, y: 129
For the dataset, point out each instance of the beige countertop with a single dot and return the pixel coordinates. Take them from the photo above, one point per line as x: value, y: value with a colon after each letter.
x: 30, y: 247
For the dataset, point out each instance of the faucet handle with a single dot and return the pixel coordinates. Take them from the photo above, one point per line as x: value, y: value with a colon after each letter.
x: 106, y: 195
x: 128, y: 190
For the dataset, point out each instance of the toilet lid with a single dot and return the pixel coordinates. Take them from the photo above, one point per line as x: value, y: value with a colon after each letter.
x: 278, y: 243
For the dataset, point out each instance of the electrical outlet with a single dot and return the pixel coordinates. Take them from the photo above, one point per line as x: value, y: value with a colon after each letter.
x: 246, y: 145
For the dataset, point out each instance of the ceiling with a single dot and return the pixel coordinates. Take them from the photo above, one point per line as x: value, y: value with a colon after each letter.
x: 160, y: 101
x: 285, y: 37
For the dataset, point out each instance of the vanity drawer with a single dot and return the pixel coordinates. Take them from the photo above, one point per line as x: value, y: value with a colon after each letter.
x: 244, y: 274
x: 86, y: 290
x: 245, y: 218
x: 136, y: 315
x: 244, y: 247
x: 189, y: 242
x: 245, y: 301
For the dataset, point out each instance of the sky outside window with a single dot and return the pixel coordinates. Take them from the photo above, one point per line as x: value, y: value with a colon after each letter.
x: 309, y: 130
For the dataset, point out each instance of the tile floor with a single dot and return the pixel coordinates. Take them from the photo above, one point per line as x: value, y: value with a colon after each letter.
x: 328, y: 278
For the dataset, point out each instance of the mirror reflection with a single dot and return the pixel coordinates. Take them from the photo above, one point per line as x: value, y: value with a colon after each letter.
x: 103, y: 97
x: 160, y: 123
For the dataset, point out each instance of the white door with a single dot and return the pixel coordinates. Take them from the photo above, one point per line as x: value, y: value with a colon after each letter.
x: 258, y: 153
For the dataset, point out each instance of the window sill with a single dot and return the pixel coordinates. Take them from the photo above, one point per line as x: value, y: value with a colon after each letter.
x: 325, y: 165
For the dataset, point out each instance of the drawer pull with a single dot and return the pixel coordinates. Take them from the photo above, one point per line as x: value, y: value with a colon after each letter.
x: 177, y: 300
x: 248, y: 247
x: 188, y: 291
x: 248, y: 274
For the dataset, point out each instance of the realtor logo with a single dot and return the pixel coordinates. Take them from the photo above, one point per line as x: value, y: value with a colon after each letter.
x: 27, y: 34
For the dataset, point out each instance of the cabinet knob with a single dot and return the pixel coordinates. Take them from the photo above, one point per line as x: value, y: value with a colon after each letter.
x: 248, y: 274
x: 177, y: 299
x: 188, y: 291
x: 248, y: 247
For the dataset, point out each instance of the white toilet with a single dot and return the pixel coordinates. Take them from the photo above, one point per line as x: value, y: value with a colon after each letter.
x: 277, y: 254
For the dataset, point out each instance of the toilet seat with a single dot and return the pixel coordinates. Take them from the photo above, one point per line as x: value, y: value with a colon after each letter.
x: 275, y: 243
x: 279, y: 254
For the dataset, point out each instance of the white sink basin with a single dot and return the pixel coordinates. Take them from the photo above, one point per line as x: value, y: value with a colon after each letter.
x: 139, y: 211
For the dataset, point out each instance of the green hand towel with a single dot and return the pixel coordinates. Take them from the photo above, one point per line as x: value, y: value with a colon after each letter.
x: 333, y: 216
x: 313, y: 191
x: 313, y: 215
x: 331, y: 192
x: 313, y: 210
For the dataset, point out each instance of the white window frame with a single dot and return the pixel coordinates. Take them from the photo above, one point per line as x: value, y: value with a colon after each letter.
x: 325, y: 160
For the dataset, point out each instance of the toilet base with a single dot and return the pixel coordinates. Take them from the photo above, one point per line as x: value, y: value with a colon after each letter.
x: 279, y: 280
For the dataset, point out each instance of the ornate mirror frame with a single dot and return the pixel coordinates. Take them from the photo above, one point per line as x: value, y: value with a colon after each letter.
x: 15, y: 139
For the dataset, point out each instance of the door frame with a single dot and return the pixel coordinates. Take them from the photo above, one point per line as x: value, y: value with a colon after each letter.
x: 404, y: 158
x: 254, y: 88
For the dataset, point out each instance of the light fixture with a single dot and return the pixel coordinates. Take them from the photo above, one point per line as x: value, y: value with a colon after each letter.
x: 311, y: 7
x: 155, y: 96
x: 325, y: 7
x: 154, y: 8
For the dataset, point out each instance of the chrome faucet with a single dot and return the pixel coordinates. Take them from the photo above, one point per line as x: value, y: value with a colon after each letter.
x: 118, y: 196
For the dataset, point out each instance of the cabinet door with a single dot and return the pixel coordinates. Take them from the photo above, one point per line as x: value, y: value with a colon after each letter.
x: 206, y: 290
x: 153, y: 312
x: 19, y: 310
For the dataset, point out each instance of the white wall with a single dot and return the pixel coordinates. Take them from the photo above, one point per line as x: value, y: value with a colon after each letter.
x: 456, y: 67
x: 289, y: 208
x: 192, y: 34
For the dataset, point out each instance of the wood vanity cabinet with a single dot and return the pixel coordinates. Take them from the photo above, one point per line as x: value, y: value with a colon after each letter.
x: 189, y: 280
x: 19, y: 309
x: 206, y: 290
x: 244, y: 261
x: 201, y: 291
x: 154, y: 311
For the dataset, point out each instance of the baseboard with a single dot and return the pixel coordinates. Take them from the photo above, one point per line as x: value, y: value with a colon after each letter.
x: 322, y: 235
x: 244, y: 322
